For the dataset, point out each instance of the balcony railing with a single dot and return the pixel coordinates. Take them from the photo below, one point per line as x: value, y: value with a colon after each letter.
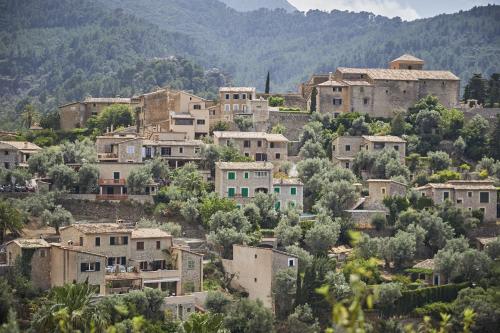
x: 107, y: 156
x: 112, y: 182
x: 160, y: 274
x: 112, y: 197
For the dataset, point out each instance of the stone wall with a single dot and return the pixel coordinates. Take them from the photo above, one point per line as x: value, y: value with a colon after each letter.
x: 293, y: 122
x: 488, y: 113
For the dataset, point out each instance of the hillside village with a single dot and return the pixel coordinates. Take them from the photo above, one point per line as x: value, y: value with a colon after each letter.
x: 372, y: 186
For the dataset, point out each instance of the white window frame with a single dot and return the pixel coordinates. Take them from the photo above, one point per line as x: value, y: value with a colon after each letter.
x: 291, y: 262
x: 236, y: 107
x: 130, y: 150
x: 227, y: 107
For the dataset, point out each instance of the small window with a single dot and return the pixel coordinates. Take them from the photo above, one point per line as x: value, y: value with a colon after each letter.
x: 243, y: 96
x: 190, y: 264
x: 130, y: 150
x: 228, y: 96
x: 197, y: 107
x: 140, y: 246
x: 383, y: 190
x: 333, y: 148
x: 277, y: 205
x: 236, y: 107
x: 293, y: 191
x: 484, y: 197
x: 246, y: 175
x: 236, y: 96
x: 469, y: 194
x: 158, y: 245
x: 347, y: 165
x: 259, y: 143
x: 459, y: 201
x: 143, y: 265
x: 244, y: 192
x: 231, y: 175
x: 291, y: 262
x: 81, y: 241
x: 365, y: 101
x: 42, y: 253
x: 181, y: 150
x: 387, y: 91
x: 278, y: 156
x: 255, y: 279
x: 255, y: 256
x: 482, y: 209
x: 98, y: 241
x: 277, y: 190
x: 6, y: 152
x: 231, y: 192
x: 347, y: 147
x: 446, y: 195
x: 227, y: 107
x: 200, y: 121
x: 396, y: 148
x: 246, y: 144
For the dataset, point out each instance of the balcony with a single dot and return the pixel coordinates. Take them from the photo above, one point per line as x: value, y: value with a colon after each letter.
x: 111, y: 197
x: 107, y: 156
x: 112, y: 182
x: 160, y: 274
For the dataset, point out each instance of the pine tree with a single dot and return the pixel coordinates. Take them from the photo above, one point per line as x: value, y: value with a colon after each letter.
x: 268, y: 83
x: 494, y: 90
x: 477, y: 88
x: 314, y: 93
x: 494, y: 140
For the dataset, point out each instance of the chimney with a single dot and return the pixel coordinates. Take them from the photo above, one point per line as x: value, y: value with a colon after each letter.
x: 330, y: 76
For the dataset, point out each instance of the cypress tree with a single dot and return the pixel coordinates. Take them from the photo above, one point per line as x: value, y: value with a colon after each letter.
x: 314, y: 93
x: 268, y: 83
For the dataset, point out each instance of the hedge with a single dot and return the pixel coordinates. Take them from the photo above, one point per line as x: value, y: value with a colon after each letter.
x: 412, y: 299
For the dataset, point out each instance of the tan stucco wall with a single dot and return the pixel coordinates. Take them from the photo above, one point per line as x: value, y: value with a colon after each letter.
x: 222, y: 183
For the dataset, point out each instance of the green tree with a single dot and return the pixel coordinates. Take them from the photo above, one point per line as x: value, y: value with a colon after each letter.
x: 476, y: 88
x: 314, y: 95
x: 485, y: 304
x: 400, y: 249
x: 386, y: 295
x: 337, y: 197
x: 494, y: 139
x: 88, y: 176
x: 278, y: 129
x: 439, y: 160
x: 322, y: 236
x: 302, y: 321
x: 312, y: 150
x: 398, y: 124
x: 138, y: 179
x: 10, y: 220
x: 217, y: 302
x: 276, y: 101
x: 212, y: 203
x: 57, y: 218
x: 494, y: 90
x: 189, y: 210
x: 475, y: 135
x: 6, y: 300
x: 247, y: 316
x: 244, y: 123
x: 284, y: 290
x: 114, y: 116
x: 30, y: 116
x: 62, y: 176
x: 204, y: 323
x: 220, y: 126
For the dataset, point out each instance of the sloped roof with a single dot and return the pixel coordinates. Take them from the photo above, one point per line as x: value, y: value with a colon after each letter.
x: 287, y: 181
x: 31, y: 243
x: 99, y: 228
x: 408, y: 57
x: 250, y: 135
x: 426, y: 264
x: 116, y: 100
x: 236, y: 89
x: 400, y: 74
x: 383, y: 138
x: 333, y: 83
x: 244, y: 165
x: 21, y: 145
x: 149, y: 233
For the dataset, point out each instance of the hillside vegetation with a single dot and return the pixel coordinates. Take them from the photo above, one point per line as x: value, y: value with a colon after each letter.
x: 294, y: 45
x: 56, y: 51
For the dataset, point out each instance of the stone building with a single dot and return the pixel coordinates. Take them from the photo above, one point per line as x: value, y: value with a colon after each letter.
x: 168, y: 110
x: 233, y: 101
x: 255, y: 269
x: 16, y: 153
x: 138, y: 257
x: 290, y: 192
x: 345, y: 148
x: 242, y: 180
x: 467, y: 194
x: 380, y: 92
x: 260, y: 146
x: 52, y: 265
x: 76, y: 114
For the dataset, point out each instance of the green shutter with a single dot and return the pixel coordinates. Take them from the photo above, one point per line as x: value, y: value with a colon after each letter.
x: 247, y: 175
x: 231, y: 192
x: 293, y: 191
x: 244, y: 192
x: 277, y: 205
x: 277, y: 190
x: 231, y: 175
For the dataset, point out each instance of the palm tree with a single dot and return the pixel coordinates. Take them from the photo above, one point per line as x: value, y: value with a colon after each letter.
x: 204, y: 323
x: 70, y: 306
x: 10, y: 220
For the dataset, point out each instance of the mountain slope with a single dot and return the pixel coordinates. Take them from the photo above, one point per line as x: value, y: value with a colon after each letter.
x: 293, y: 45
x: 56, y: 51
x: 249, y: 5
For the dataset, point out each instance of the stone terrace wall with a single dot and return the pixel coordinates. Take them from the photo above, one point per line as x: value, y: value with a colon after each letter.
x: 488, y: 113
x: 293, y: 122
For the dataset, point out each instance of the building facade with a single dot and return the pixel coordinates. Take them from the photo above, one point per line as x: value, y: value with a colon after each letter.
x: 233, y: 101
x: 255, y: 269
x: 260, y: 146
x: 138, y: 258
x: 16, y: 153
x: 467, y: 194
x: 345, y: 148
x: 381, y: 92
x: 290, y: 193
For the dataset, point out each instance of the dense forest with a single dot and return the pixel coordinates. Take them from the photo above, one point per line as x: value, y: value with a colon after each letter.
x: 249, y: 5
x: 56, y: 51
x: 294, y: 45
